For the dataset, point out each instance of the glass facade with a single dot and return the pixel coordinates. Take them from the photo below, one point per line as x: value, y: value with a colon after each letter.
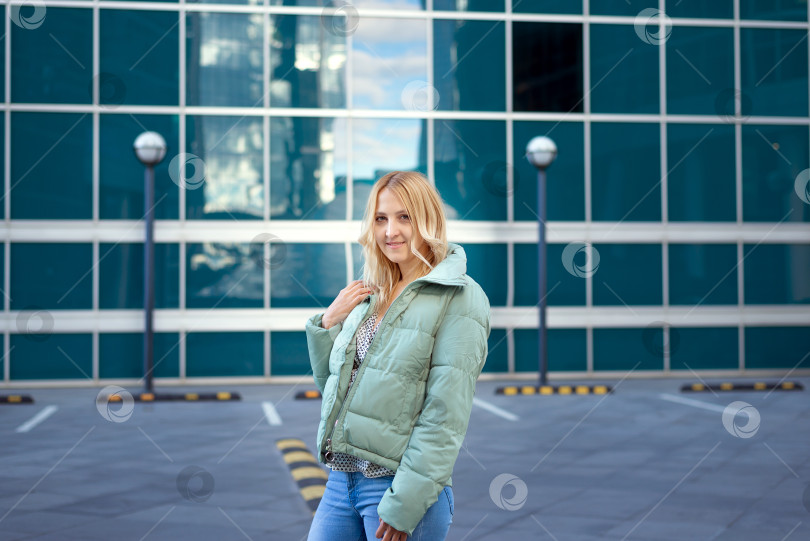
x: 678, y: 206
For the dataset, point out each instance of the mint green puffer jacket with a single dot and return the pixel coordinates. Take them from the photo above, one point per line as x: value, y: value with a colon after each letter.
x: 410, y: 404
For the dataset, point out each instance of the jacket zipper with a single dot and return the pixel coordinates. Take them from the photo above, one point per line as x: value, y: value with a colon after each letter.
x: 328, y: 454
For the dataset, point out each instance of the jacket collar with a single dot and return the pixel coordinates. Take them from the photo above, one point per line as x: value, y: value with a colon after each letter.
x: 451, y: 269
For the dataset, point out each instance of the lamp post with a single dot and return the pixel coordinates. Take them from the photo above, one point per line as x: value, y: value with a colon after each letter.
x: 540, y: 152
x: 150, y: 148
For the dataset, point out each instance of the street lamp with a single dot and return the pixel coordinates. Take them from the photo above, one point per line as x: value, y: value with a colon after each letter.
x: 150, y: 148
x: 540, y: 152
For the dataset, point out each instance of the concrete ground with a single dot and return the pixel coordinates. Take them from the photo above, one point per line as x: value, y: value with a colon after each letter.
x: 645, y: 463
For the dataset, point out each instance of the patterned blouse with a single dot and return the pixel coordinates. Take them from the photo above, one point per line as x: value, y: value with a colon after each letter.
x: 344, y: 461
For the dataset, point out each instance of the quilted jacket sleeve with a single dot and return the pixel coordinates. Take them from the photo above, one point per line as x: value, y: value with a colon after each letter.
x: 319, y: 343
x: 458, y: 357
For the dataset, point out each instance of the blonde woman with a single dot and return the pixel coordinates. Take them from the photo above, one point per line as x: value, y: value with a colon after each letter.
x: 396, y: 357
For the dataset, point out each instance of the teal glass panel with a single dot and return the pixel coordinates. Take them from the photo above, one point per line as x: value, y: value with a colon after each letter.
x: 3, y: 165
x: 624, y: 70
x: 547, y: 67
x: 389, y: 63
x: 224, y: 354
x: 225, y: 172
x: 497, y: 353
x: 565, y: 178
x: 626, y: 172
x: 52, y: 56
x: 566, y: 350
x: 3, y: 72
x: 120, y: 355
x: 701, y: 274
x: 307, y: 275
x: 60, y: 356
x: 51, y: 166
x: 121, y: 275
x: 469, y: 66
x: 308, y: 65
x: 357, y: 261
x: 777, y: 347
x: 562, y: 287
x: 382, y: 145
x: 699, y: 9
x: 774, y: 70
x: 546, y: 6
x: 701, y: 348
x: 776, y: 273
x: 772, y: 159
x: 628, y: 274
x: 612, y: 7
x: 308, y: 167
x: 628, y: 349
x: 367, y: 4
x: 470, y: 156
x: 121, y: 182
x: 139, y: 64
x: 52, y: 276
x: 700, y: 62
x: 784, y: 10
x: 701, y: 183
x: 224, y: 275
x: 288, y: 354
x: 486, y: 264
x: 224, y: 59
x: 494, y: 6
x: 233, y: 2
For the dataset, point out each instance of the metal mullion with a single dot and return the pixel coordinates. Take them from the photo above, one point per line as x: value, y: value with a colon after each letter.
x: 738, y: 182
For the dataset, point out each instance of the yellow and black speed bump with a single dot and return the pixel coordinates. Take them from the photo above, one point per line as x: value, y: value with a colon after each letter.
x: 756, y: 386
x: 307, y: 395
x: 175, y: 397
x: 15, y: 399
x: 554, y: 389
x: 305, y: 470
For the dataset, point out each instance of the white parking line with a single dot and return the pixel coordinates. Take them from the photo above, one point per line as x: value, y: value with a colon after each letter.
x: 492, y: 408
x: 36, y: 419
x: 271, y: 414
x: 694, y: 403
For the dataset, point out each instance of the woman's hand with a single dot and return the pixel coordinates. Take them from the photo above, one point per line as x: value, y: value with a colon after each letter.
x: 349, y: 297
x: 390, y: 533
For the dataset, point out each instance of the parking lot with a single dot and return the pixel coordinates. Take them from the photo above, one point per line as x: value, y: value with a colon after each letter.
x: 646, y: 462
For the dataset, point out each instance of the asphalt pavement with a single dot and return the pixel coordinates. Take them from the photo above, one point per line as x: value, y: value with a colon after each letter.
x: 646, y: 462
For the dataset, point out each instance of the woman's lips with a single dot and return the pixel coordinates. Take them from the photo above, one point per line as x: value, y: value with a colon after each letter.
x: 394, y: 244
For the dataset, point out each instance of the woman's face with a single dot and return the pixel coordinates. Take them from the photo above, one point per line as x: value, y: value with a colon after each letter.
x: 393, y: 231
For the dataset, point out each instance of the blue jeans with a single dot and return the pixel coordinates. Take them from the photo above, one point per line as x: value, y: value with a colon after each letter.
x: 348, y: 510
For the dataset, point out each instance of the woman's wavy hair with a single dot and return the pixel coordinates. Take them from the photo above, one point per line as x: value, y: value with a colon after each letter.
x: 428, y: 221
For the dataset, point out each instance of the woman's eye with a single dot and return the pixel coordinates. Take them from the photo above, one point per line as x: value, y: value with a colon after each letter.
x: 406, y: 217
x: 378, y: 218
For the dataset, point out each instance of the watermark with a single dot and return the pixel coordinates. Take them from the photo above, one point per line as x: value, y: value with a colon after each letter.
x: 195, y: 484
x: 35, y: 323
x: 277, y: 247
x: 516, y: 500
x: 655, y: 339
x: 29, y: 15
x: 735, y: 409
x: 726, y: 103
x: 340, y: 19
x: 802, y: 186
x: 574, y: 268
x: 179, y: 171
x: 111, y: 90
x: 494, y: 178
x: 653, y: 18
x: 806, y: 498
x: 420, y: 96
x: 113, y: 394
